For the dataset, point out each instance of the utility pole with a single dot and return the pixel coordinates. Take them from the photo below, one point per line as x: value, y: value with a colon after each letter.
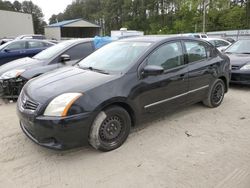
x: 205, y: 4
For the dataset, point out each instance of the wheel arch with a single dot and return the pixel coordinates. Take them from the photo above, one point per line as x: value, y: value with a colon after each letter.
x: 223, y: 78
x: 122, y: 104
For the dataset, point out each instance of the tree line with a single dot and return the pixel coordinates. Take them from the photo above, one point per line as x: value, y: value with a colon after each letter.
x: 150, y: 16
x: 27, y: 7
x: 160, y: 16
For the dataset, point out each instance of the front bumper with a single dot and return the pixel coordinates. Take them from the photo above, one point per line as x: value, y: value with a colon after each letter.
x: 56, y: 133
x: 240, y: 77
x: 10, y: 89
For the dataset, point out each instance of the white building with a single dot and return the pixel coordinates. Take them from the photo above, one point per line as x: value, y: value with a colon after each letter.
x: 13, y: 24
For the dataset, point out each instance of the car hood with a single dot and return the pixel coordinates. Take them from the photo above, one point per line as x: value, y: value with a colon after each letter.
x: 239, y: 59
x: 65, y: 80
x: 23, y: 63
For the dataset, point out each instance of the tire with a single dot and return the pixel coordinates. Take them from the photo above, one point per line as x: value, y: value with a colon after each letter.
x: 110, y: 129
x: 216, y: 94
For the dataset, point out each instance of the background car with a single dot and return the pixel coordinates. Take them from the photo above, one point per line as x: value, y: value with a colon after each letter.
x: 21, y: 48
x: 99, y: 99
x: 15, y: 74
x: 220, y: 44
x: 239, y: 54
x: 31, y: 36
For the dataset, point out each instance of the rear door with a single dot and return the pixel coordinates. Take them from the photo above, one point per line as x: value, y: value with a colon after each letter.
x: 201, y: 66
x: 168, y: 90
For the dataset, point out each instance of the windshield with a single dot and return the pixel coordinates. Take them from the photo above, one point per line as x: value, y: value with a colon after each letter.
x: 52, y: 51
x: 240, y: 47
x: 116, y: 56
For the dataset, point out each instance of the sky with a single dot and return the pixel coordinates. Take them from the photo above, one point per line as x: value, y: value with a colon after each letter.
x: 50, y: 7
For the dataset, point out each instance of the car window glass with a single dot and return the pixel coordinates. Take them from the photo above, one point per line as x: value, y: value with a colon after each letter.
x: 47, y: 44
x: 197, y: 51
x: 168, y: 56
x: 219, y: 43
x: 80, y: 51
x: 16, y: 45
x: 203, y: 36
x: 35, y: 44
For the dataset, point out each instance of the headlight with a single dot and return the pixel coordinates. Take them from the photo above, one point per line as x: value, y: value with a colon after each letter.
x: 60, y: 105
x: 245, y: 67
x: 12, y: 74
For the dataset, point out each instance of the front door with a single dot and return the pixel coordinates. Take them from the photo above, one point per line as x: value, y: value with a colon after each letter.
x: 168, y: 90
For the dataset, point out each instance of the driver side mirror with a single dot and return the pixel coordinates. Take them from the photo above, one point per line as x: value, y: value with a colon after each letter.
x: 64, y: 58
x: 152, y: 70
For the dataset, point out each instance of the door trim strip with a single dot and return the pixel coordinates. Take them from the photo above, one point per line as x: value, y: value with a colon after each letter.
x: 175, y: 97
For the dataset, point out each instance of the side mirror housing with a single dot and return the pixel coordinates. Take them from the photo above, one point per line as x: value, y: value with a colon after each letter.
x: 152, y: 70
x: 64, y: 58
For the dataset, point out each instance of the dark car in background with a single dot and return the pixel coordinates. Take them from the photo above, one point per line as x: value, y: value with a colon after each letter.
x: 99, y: 99
x: 21, y: 48
x: 239, y: 54
x: 15, y: 74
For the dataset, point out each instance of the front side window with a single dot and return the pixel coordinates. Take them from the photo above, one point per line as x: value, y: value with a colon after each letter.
x: 16, y: 45
x: 167, y: 56
x: 79, y: 51
x: 197, y: 51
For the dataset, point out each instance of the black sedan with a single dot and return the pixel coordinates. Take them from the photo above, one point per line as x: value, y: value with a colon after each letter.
x: 15, y: 74
x: 99, y: 99
x: 21, y: 48
x: 239, y: 54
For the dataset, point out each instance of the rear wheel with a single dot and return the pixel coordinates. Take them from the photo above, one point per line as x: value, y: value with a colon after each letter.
x: 110, y: 129
x: 216, y: 94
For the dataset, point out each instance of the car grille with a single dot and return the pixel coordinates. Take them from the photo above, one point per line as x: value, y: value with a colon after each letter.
x: 235, y: 67
x: 27, y: 104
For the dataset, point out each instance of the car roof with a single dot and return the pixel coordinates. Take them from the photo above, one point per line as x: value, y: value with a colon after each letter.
x: 77, y: 41
x: 214, y: 39
x: 156, y: 39
x: 28, y: 40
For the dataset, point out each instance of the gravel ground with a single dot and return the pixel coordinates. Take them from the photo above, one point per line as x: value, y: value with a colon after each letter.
x: 192, y: 147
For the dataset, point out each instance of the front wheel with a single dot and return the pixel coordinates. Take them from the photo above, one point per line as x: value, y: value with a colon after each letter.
x: 110, y: 129
x: 216, y: 94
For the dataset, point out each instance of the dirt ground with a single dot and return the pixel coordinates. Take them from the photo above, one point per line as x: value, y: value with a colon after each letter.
x: 192, y: 147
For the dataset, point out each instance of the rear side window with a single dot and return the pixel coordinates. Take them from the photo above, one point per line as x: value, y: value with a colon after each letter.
x: 203, y: 36
x: 35, y: 44
x: 168, y: 56
x: 219, y: 43
x: 80, y: 51
x: 16, y: 45
x: 197, y: 51
x: 47, y: 44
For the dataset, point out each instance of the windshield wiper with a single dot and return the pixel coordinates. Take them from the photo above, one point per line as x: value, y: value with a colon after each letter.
x: 245, y: 52
x: 96, y: 70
